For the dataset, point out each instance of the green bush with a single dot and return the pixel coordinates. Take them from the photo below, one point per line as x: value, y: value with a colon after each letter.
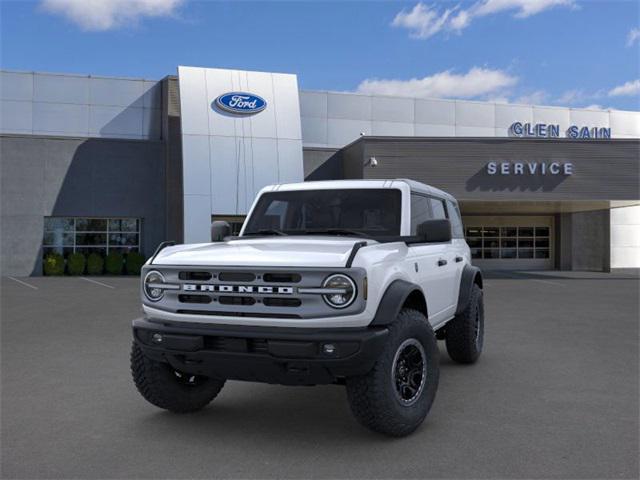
x: 134, y: 262
x: 53, y: 264
x: 113, y: 263
x: 95, y: 264
x: 76, y: 263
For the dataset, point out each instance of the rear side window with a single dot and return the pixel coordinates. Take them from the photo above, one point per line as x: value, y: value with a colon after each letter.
x: 437, y: 206
x: 457, y: 231
x: 420, y: 211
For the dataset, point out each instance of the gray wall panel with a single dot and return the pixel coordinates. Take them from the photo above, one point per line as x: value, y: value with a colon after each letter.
x: 16, y: 86
x: 44, y: 176
x: 603, y: 170
x: 80, y: 106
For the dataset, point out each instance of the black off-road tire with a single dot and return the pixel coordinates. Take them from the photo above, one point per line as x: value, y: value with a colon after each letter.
x: 163, y: 387
x: 374, y: 398
x: 465, y: 333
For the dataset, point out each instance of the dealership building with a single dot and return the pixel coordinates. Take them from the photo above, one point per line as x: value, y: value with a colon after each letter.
x: 106, y: 164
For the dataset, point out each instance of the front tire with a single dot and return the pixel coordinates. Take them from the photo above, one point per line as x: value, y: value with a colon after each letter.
x: 396, y: 395
x: 465, y: 333
x: 167, y: 388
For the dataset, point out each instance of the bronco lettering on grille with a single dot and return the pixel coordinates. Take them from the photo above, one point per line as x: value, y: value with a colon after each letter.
x: 263, y: 289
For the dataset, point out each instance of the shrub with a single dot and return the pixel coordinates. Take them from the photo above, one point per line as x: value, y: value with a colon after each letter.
x: 76, y: 263
x: 95, y: 264
x: 134, y: 262
x: 113, y: 263
x: 53, y: 264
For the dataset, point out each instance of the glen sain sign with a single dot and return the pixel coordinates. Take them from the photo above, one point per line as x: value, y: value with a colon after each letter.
x: 547, y: 130
x: 240, y: 103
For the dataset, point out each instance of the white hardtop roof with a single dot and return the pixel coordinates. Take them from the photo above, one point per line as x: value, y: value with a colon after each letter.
x: 346, y: 184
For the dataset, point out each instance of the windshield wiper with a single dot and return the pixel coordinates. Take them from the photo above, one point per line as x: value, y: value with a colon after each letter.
x: 266, y: 231
x: 337, y: 231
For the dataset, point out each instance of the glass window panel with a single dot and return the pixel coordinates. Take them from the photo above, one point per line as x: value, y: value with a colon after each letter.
x: 542, y: 253
x: 525, y: 243
x: 58, y: 223
x: 47, y: 250
x: 58, y: 237
x: 491, y: 243
x: 123, y: 225
x: 87, y: 250
x: 476, y: 253
x: 525, y: 231
x: 508, y: 253
x: 123, y: 250
x: 437, y: 206
x: 491, y: 253
x: 525, y: 253
x: 542, y: 231
x: 420, y: 211
x: 491, y: 231
x: 474, y: 242
x: 508, y: 243
x: 508, y: 231
x: 474, y: 232
x: 457, y: 230
x: 91, y: 225
x: 542, y: 242
x: 91, y: 239
x: 116, y: 239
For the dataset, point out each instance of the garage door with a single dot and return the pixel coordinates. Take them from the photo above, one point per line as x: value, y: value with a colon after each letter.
x: 511, y: 243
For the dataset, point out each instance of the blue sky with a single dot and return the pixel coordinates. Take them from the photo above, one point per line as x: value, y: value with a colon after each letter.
x: 558, y: 52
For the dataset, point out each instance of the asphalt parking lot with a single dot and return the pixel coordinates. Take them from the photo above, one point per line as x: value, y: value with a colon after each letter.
x: 555, y: 395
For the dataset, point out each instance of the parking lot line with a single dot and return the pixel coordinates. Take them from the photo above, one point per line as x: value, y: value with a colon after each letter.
x: 97, y: 282
x: 24, y: 283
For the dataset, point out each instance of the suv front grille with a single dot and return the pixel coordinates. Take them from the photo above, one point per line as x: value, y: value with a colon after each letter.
x: 252, y: 292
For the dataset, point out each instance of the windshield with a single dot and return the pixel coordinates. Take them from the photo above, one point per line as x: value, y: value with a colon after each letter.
x: 357, y: 212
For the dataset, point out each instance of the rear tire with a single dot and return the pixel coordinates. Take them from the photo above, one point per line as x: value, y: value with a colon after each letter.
x: 164, y: 387
x: 396, y: 395
x: 465, y: 333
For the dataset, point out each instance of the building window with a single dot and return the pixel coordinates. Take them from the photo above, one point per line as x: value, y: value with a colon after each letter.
x: 508, y: 242
x: 234, y: 221
x: 65, y: 235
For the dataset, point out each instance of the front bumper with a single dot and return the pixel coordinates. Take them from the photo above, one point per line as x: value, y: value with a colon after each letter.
x: 289, y: 356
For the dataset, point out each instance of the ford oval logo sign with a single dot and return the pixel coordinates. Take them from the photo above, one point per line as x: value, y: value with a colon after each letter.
x: 240, y: 103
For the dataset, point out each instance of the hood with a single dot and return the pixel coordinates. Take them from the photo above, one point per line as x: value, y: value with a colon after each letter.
x: 288, y: 251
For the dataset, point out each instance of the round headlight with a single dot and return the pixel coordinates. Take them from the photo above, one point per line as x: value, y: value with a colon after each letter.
x: 151, y: 280
x: 345, y: 291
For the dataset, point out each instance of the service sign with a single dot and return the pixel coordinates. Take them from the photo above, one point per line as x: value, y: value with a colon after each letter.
x: 240, y: 103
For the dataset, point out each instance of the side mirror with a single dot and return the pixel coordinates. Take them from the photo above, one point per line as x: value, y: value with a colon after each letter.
x: 219, y: 230
x: 434, y: 231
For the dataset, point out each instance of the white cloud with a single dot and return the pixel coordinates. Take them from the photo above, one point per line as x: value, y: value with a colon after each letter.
x: 423, y: 21
x: 595, y: 106
x: 100, y: 15
x: 475, y: 83
x: 633, y: 36
x: 629, y: 88
x: 538, y: 97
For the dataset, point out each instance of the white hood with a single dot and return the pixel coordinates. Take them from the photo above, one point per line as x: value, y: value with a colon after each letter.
x: 286, y: 251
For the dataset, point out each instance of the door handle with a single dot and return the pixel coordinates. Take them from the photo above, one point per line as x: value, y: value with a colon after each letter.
x: 442, y: 263
x: 459, y: 259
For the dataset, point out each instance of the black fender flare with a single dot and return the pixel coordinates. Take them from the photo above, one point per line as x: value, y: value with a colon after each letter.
x: 392, y: 301
x: 470, y: 275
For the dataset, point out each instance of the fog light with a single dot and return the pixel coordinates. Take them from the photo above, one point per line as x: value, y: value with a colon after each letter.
x: 156, y: 338
x: 329, y: 348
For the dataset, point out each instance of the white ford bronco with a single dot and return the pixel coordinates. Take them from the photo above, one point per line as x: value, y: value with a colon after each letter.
x: 347, y: 282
